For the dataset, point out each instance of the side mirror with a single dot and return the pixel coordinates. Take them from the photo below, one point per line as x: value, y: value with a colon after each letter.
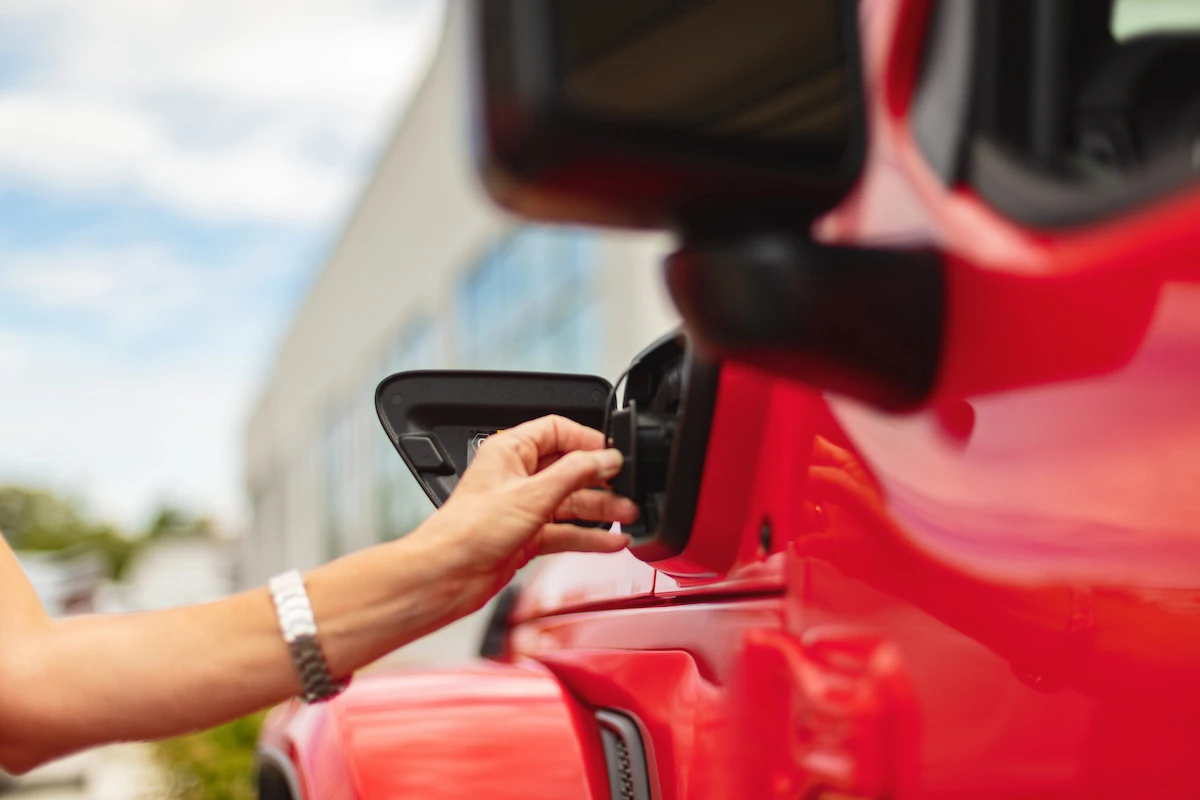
x: 668, y: 113
x: 438, y: 419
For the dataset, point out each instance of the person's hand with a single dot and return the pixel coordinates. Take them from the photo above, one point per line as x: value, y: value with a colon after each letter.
x: 510, y: 505
x: 849, y: 524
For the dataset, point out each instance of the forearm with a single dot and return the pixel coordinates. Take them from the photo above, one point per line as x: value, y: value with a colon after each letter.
x: 75, y: 683
x: 91, y: 680
x: 85, y: 681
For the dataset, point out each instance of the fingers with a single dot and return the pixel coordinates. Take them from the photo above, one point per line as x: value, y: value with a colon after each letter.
x: 546, y: 436
x: 597, y: 505
x: 555, y: 434
x: 581, y: 469
x: 827, y: 453
x: 546, y: 461
x: 837, y: 486
x: 559, y: 537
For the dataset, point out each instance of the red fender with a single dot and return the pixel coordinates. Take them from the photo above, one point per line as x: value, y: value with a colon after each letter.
x: 490, y: 730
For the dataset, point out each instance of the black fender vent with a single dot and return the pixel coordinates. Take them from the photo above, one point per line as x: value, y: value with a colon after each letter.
x: 625, y: 755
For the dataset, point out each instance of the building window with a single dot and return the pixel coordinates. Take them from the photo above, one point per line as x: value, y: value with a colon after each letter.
x: 400, y: 503
x: 530, y: 304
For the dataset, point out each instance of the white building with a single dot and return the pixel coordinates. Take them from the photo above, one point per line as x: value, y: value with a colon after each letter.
x: 65, y: 582
x: 177, y: 570
x: 427, y: 274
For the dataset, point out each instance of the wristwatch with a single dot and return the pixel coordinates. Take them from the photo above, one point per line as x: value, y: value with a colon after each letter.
x: 299, y: 628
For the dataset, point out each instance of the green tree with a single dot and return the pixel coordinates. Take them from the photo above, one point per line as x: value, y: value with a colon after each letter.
x: 38, y: 520
x: 29, y: 517
x: 171, y: 521
x: 216, y: 764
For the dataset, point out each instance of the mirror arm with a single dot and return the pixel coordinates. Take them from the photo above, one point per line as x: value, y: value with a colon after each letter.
x: 864, y: 322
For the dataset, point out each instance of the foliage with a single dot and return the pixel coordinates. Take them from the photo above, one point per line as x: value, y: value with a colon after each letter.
x: 31, y: 515
x: 217, y: 764
x: 170, y: 521
x: 38, y: 520
x: 34, y: 519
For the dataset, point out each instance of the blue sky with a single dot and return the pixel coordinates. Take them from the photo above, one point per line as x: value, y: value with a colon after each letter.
x: 171, y: 175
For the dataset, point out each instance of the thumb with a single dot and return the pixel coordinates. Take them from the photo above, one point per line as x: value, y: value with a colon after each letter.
x: 577, y: 470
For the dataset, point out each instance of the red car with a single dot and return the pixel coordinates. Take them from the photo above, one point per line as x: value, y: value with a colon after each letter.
x: 920, y: 485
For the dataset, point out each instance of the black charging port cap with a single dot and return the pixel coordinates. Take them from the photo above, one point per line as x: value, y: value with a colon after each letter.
x: 662, y: 431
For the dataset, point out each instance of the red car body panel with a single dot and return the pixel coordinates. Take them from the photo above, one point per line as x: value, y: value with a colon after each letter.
x: 432, y: 735
x: 997, y: 595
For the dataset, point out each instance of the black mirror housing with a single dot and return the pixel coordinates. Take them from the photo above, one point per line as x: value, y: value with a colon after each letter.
x: 667, y: 113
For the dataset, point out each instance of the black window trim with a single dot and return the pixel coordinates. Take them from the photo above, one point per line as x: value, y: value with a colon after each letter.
x: 950, y: 115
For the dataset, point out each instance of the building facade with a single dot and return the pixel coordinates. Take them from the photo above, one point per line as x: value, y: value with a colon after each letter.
x: 427, y: 274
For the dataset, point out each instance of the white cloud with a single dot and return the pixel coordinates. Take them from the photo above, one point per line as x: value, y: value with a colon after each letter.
x: 124, y: 435
x: 96, y: 280
x: 16, y: 351
x: 210, y: 106
x: 126, y: 360
x: 81, y: 405
x: 67, y: 143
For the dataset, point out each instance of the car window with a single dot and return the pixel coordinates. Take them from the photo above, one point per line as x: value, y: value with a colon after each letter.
x: 1132, y: 18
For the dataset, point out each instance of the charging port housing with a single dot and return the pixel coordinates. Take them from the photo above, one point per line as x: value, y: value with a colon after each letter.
x: 662, y: 430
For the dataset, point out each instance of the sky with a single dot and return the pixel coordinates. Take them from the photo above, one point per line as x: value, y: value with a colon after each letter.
x: 172, y: 173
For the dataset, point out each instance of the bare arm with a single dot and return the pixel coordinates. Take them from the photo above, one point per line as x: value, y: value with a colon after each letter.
x: 70, y: 684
